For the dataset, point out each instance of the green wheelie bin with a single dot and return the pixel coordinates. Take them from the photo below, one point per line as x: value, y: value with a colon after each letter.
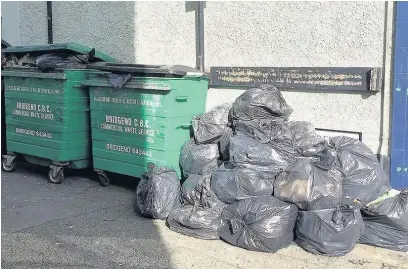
x: 47, y: 113
x: 142, y: 114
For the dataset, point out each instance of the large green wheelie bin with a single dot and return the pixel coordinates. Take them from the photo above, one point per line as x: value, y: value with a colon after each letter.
x: 142, y: 114
x: 47, y: 114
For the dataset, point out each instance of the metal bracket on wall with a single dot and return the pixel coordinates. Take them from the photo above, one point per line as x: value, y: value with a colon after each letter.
x: 334, y: 79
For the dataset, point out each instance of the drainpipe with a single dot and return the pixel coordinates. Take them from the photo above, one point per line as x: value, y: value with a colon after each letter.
x: 49, y: 19
x: 200, y: 32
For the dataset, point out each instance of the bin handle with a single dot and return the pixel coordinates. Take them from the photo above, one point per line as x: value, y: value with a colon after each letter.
x: 185, y: 126
x: 181, y: 98
x: 77, y: 84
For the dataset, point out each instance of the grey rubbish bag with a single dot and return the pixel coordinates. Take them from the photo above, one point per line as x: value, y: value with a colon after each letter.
x: 232, y: 185
x: 309, y: 184
x: 265, y: 171
x: 262, y: 223
x: 197, y: 222
x: 200, y: 213
x: 305, y: 139
x: 158, y: 191
x: 364, y: 179
x: 194, y: 158
x: 260, y: 129
x: 266, y: 130
x: 224, y: 144
x: 329, y: 232
x: 196, y: 190
x: 247, y: 150
x: 189, y: 190
x: 386, y: 221
x: 210, y: 126
x: 275, y: 134
x: 262, y: 102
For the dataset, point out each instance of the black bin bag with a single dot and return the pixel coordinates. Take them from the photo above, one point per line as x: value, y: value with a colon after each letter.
x: 233, y: 185
x: 209, y: 127
x: 245, y: 150
x: 200, y: 213
x: 198, y: 222
x: 158, y: 192
x: 386, y: 222
x: 51, y: 61
x: 190, y: 189
x: 364, y: 179
x: 306, y: 140
x: 310, y: 184
x: 196, y: 190
x: 195, y: 158
x: 265, y: 101
x: 329, y: 232
x: 266, y: 130
x: 224, y: 144
x: 262, y: 223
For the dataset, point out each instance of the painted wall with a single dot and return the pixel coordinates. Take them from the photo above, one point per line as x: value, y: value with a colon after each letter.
x: 107, y: 26
x: 33, y: 23
x: 10, y: 26
x: 306, y: 34
x: 243, y: 34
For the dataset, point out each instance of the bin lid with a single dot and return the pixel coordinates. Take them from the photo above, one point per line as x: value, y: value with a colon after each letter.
x: 58, y: 47
x: 150, y: 70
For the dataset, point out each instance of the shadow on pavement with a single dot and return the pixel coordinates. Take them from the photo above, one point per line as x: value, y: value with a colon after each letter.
x: 77, y: 224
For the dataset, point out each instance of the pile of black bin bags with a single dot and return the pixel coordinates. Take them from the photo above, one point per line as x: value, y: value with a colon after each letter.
x: 260, y: 182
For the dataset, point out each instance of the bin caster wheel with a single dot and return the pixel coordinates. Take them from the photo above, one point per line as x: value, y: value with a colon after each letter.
x: 8, y: 168
x: 58, y: 178
x: 103, y: 179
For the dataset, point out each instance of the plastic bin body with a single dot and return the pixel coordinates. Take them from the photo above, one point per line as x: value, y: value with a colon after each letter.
x: 47, y: 116
x: 147, y: 120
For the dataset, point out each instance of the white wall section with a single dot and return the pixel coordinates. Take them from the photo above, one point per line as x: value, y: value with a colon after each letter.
x: 280, y: 34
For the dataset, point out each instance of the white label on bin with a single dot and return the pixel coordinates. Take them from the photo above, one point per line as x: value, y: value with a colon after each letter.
x: 33, y: 90
x: 127, y: 149
x: 33, y: 133
x: 33, y: 111
x: 128, y: 125
x: 129, y: 101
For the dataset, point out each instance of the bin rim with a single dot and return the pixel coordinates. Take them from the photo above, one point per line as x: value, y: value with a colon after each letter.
x: 152, y: 71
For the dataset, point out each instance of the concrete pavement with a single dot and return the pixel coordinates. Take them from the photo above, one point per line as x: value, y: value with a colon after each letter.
x: 79, y: 224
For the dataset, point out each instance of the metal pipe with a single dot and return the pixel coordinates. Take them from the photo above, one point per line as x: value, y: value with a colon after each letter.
x: 49, y: 19
x: 200, y: 33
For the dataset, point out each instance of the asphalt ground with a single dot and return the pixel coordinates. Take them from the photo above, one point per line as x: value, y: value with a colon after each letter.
x: 79, y: 224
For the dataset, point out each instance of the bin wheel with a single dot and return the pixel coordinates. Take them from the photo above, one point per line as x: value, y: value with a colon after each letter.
x: 103, y: 179
x: 58, y: 178
x: 8, y: 168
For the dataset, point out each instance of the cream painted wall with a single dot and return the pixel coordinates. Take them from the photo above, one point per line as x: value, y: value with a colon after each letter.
x: 243, y: 34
